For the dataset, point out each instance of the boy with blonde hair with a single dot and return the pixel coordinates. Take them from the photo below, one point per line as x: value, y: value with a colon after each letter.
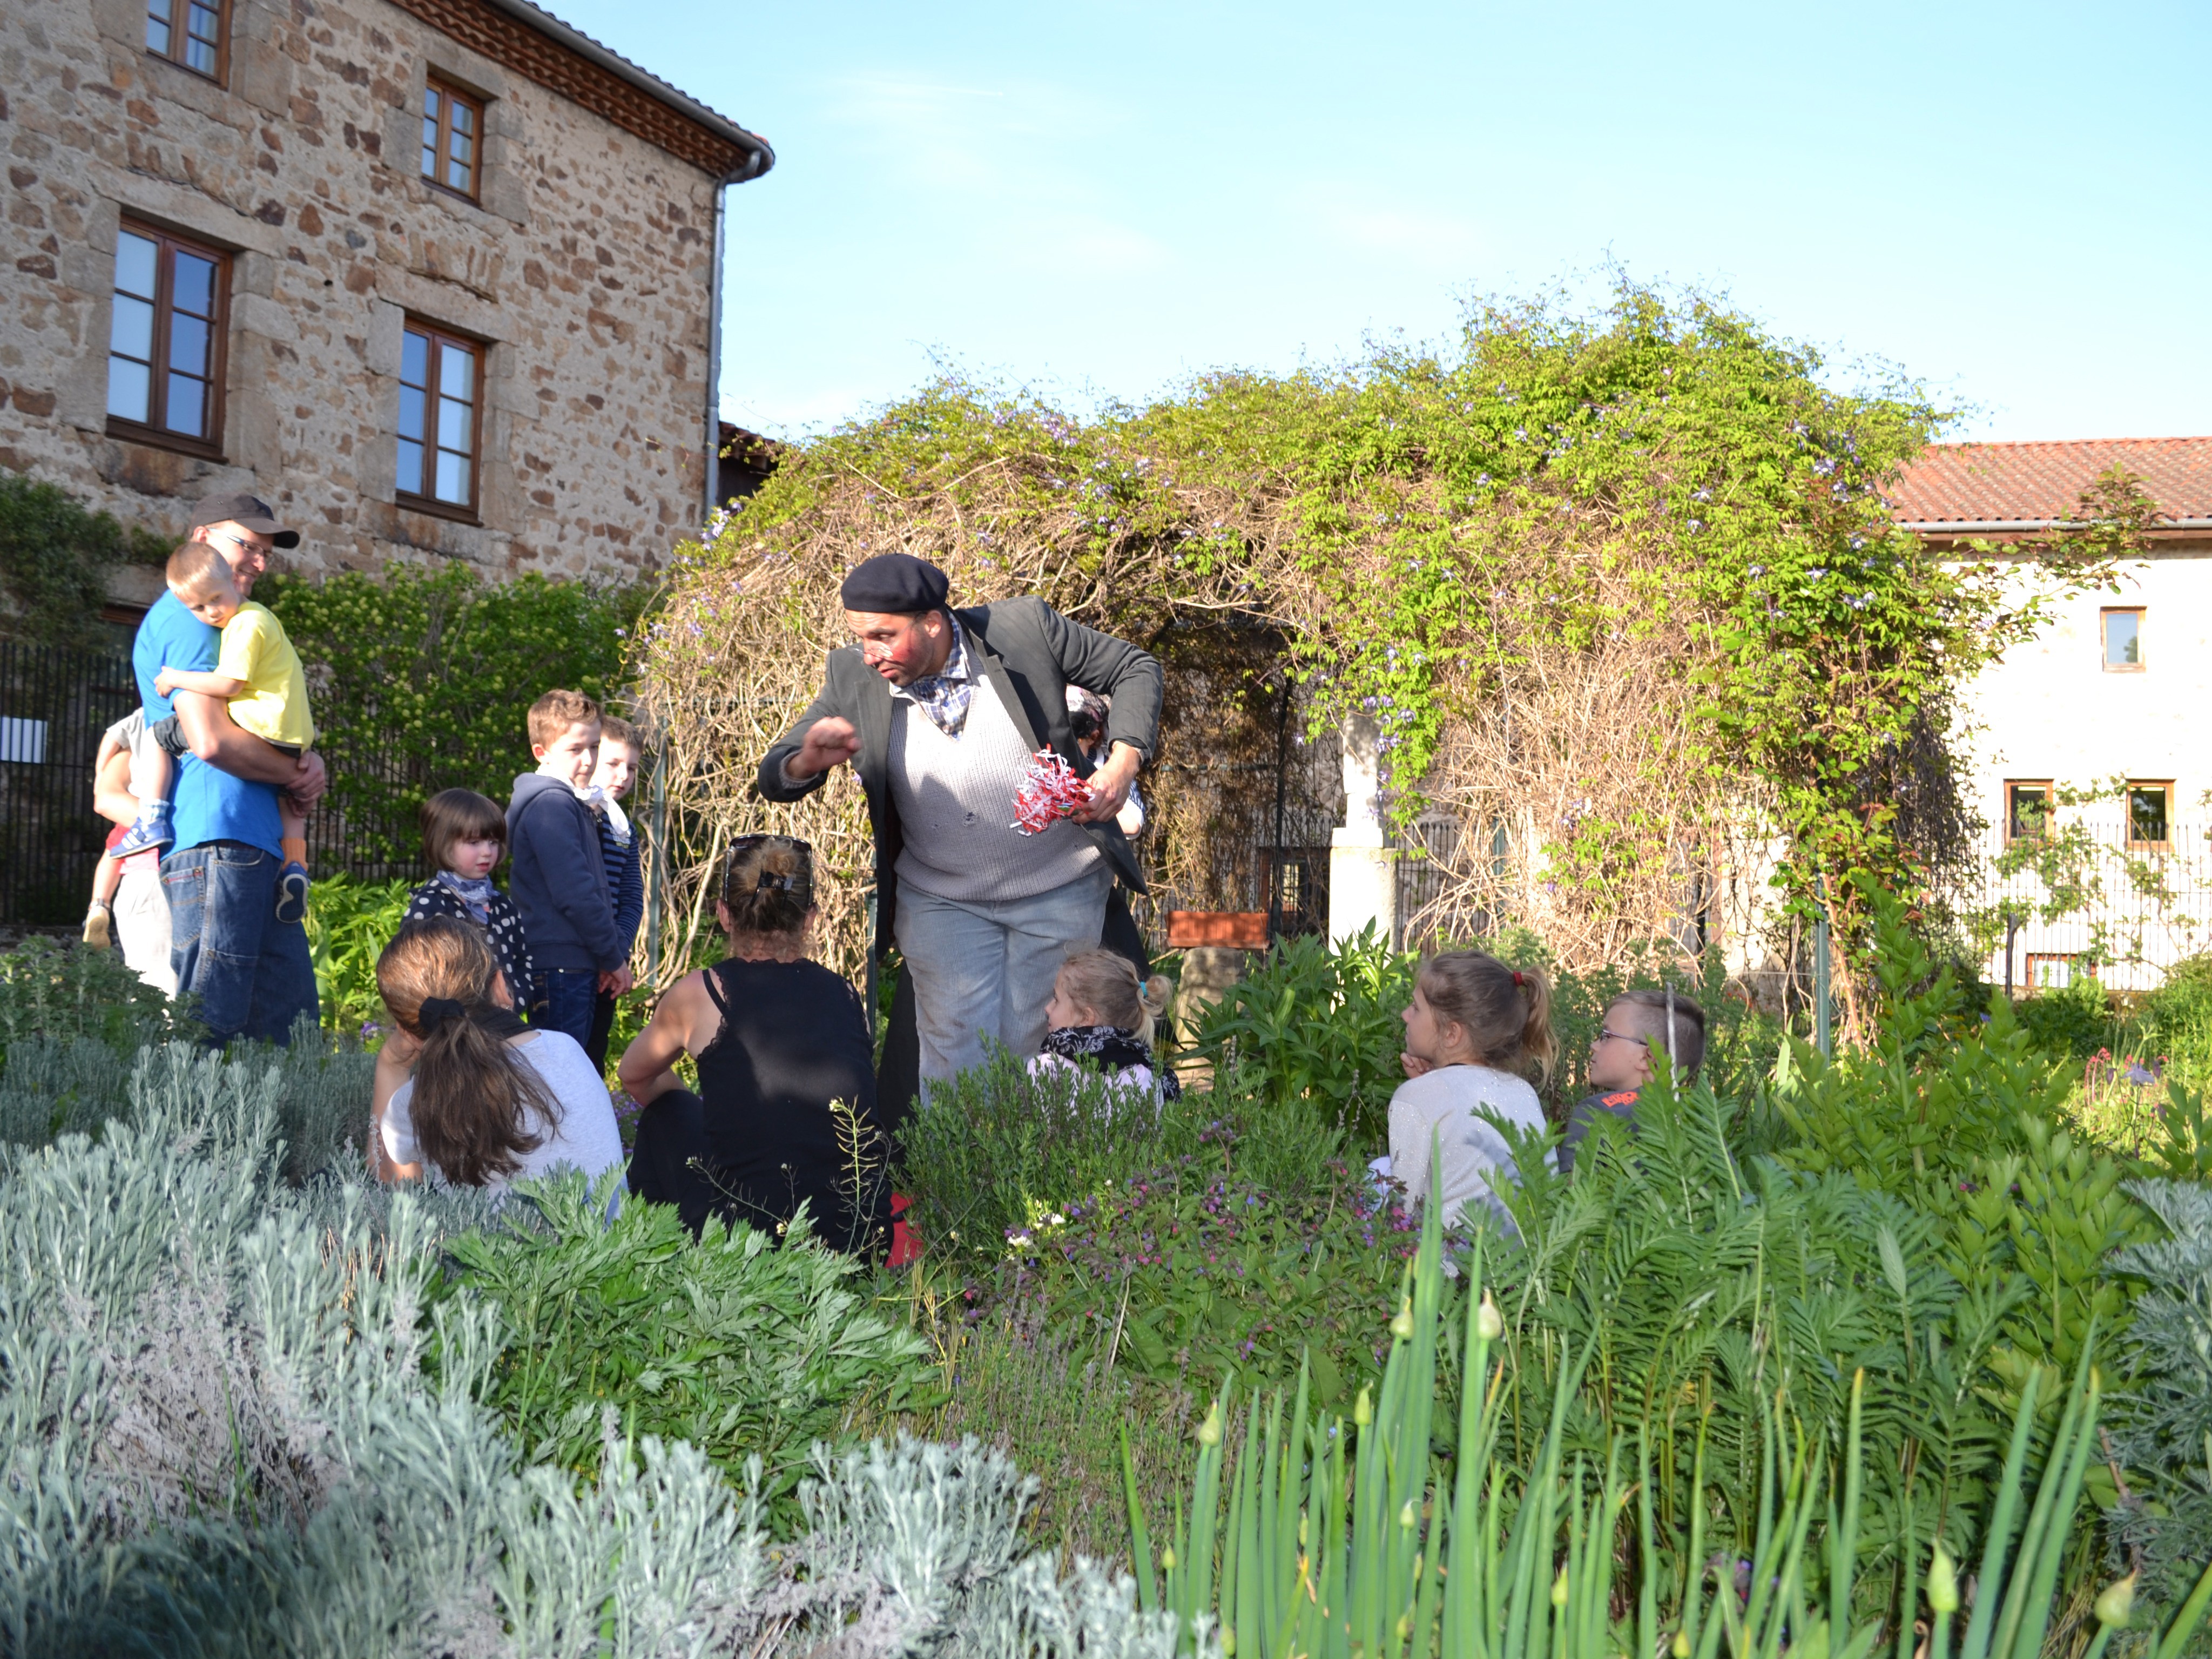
x: 260, y: 676
x: 558, y: 874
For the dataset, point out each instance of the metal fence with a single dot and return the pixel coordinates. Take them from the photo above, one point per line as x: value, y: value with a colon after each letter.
x: 2089, y: 894
x: 54, y: 705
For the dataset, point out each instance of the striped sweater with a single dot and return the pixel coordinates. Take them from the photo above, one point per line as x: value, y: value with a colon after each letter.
x: 625, y: 881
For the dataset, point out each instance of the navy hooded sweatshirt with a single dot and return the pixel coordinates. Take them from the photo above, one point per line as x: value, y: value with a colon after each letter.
x: 558, y: 879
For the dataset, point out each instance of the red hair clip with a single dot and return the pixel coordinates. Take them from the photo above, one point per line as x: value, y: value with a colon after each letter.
x: 1517, y: 980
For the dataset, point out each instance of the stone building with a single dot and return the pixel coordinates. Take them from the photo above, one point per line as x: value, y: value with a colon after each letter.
x: 436, y: 277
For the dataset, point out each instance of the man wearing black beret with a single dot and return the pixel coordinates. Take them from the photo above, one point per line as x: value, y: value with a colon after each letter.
x: 939, y: 710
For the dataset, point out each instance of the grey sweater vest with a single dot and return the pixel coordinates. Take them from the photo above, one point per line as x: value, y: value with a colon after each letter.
x: 955, y: 798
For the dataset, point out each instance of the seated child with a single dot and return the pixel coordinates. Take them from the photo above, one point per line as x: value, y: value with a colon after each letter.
x: 1099, y: 1015
x: 259, y: 674
x: 1473, y: 1025
x: 611, y: 778
x: 489, y: 1100
x: 463, y: 838
x: 1620, y: 1059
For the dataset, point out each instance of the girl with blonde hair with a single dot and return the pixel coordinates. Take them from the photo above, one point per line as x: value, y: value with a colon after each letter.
x: 1101, y: 1016
x: 1474, y: 1030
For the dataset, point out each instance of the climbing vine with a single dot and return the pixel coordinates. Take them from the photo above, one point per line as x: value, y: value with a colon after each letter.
x: 1619, y: 592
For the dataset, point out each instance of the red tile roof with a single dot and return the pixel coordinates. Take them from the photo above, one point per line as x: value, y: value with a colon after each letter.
x: 2035, y: 484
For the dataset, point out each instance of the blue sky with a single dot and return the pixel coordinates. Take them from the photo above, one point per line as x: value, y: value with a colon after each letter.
x: 2008, y: 202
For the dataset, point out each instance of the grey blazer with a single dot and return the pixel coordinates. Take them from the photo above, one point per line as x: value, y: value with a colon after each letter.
x: 1031, y: 654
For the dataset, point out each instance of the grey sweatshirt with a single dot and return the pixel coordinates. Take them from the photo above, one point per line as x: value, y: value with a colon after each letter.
x: 559, y: 878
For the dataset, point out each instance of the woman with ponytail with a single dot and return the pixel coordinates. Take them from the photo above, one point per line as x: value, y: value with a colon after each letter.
x: 785, y: 1112
x: 488, y: 1100
x: 1473, y: 1029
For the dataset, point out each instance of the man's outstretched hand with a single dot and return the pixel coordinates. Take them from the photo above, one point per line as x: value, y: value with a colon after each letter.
x: 830, y: 741
x: 1110, y: 784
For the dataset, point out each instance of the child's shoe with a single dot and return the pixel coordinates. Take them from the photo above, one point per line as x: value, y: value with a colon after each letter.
x: 97, y: 921
x: 150, y: 829
x: 292, y: 893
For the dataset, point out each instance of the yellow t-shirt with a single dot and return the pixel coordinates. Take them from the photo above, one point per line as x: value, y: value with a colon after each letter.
x: 274, y: 705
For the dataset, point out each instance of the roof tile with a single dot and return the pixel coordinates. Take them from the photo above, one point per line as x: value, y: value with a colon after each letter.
x: 2039, y: 483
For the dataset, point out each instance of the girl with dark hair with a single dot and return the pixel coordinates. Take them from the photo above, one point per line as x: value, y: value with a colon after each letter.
x: 488, y: 1100
x: 1474, y: 1028
x: 784, y: 1113
x: 463, y: 839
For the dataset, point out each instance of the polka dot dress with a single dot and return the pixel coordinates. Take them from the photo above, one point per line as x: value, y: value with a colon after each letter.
x: 502, y: 930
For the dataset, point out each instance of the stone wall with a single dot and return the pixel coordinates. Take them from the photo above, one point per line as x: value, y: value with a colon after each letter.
x: 586, y: 266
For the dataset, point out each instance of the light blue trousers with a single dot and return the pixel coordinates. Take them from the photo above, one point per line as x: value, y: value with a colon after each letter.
x: 985, y: 967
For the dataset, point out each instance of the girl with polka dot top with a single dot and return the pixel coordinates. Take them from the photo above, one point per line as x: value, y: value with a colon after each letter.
x: 463, y: 838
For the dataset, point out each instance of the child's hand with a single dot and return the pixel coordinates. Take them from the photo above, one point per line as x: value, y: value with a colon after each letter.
x: 165, y: 682
x: 1415, y: 1066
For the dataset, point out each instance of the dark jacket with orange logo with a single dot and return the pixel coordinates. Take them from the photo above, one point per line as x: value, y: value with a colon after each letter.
x: 1620, y: 1104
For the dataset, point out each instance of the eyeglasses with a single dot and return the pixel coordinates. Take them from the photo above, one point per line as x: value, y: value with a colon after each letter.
x: 1605, y: 1036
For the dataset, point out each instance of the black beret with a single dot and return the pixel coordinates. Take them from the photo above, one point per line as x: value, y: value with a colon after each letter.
x: 896, y: 584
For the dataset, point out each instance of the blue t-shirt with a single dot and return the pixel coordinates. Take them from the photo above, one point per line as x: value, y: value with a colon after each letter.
x: 211, y: 804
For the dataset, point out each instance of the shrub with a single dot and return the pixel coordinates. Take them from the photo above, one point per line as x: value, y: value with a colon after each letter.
x: 221, y: 1441
x: 317, y: 1092
x: 349, y: 924
x: 54, y: 559
x: 745, y: 1350
x: 61, y: 990
x: 423, y: 679
x: 996, y: 1148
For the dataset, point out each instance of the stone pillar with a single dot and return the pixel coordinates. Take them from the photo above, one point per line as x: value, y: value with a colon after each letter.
x: 1363, y: 882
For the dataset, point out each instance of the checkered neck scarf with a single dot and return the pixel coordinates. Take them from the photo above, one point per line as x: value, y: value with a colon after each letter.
x: 943, y: 695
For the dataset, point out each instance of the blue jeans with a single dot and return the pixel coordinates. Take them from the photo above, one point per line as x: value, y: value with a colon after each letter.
x: 564, y: 1000
x: 986, y: 967
x: 251, y: 974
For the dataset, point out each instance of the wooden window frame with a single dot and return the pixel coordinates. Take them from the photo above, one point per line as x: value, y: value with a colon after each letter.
x: 2104, y: 650
x: 448, y: 94
x: 2049, y: 786
x: 179, y: 32
x: 481, y: 350
x: 2134, y: 784
x: 145, y: 432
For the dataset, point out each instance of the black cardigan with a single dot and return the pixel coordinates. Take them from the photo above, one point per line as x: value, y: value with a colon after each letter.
x: 502, y: 931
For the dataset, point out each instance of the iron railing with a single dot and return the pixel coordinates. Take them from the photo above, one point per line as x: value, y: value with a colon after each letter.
x: 54, y: 705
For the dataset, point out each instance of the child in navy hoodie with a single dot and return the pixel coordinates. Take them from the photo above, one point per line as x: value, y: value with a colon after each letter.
x: 559, y: 875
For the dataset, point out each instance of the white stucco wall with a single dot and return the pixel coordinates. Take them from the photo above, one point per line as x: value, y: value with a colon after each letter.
x: 2052, y: 709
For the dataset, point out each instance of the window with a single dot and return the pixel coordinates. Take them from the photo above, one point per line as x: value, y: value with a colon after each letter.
x: 2146, y: 807
x: 187, y: 32
x: 2124, y: 642
x: 452, y: 123
x: 164, y: 341
x: 439, y: 382
x: 2027, y: 808
x: 2054, y: 970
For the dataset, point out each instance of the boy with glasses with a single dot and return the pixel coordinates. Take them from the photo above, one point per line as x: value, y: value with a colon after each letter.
x: 1620, y: 1059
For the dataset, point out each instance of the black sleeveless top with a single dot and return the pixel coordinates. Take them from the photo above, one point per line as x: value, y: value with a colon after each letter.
x: 793, y: 1040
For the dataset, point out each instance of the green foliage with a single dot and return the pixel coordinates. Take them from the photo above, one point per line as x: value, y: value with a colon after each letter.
x: 996, y: 1149
x: 318, y: 1101
x: 2069, y: 1020
x: 349, y: 924
x: 55, y: 555
x: 1316, y: 1024
x: 1186, y: 1274
x: 63, y: 990
x: 422, y: 680
x: 1339, y: 1539
x: 738, y: 1346
x: 1321, y: 1025
x: 2164, y: 1424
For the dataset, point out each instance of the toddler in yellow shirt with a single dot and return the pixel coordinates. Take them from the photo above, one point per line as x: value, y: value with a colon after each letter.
x: 260, y: 676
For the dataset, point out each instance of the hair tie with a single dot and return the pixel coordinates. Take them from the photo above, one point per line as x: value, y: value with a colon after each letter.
x: 436, y: 1011
x: 1517, y: 980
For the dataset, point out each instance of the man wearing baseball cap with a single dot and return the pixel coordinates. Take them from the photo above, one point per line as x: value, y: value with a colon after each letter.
x: 250, y: 973
x: 939, y: 711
